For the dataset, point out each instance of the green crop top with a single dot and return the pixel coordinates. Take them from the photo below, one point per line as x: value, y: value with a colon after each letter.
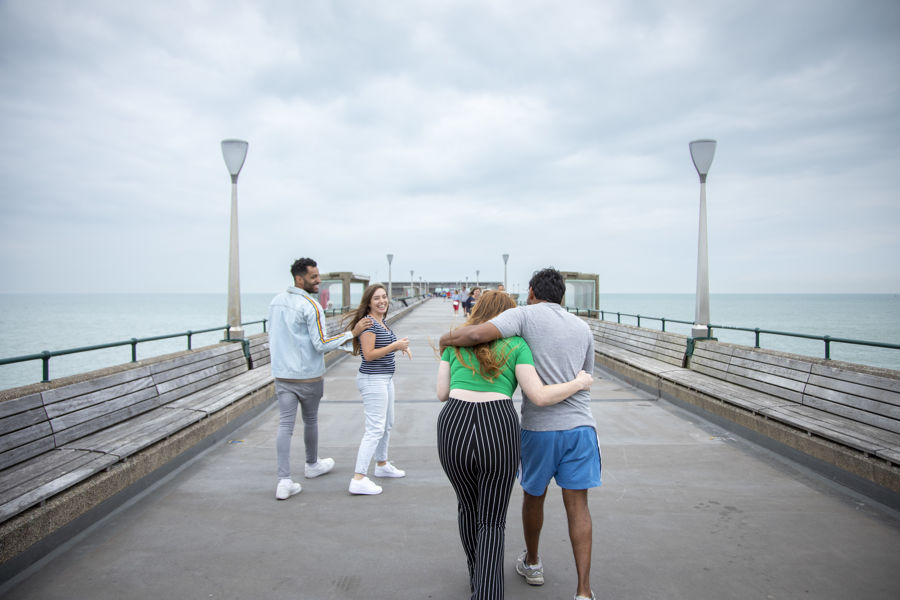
x: 462, y: 377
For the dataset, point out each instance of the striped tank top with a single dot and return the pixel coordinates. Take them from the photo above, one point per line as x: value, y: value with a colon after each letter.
x: 385, y: 364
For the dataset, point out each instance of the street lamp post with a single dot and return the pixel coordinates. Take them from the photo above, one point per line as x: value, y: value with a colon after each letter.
x: 412, y: 284
x: 477, y: 278
x: 505, y: 258
x: 234, y: 151
x: 702, y: 153
x: 390, y: 258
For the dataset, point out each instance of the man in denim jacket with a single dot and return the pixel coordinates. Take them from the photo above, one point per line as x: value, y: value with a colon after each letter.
x: 297, y: 346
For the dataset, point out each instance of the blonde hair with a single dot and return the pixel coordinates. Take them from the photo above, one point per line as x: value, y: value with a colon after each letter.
x: 489, y: 305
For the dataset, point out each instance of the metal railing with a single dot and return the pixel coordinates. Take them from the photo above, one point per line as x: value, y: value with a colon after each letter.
x: 46, y: 355
x: 827, y: 339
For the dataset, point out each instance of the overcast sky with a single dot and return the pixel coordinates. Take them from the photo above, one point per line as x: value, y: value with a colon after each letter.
x: 449, y: 133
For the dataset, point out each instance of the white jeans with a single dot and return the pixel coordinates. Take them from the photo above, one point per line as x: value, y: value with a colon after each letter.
x: 378, y: 403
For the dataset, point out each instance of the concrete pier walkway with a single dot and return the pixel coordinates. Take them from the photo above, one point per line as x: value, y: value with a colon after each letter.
x: 687, y: 511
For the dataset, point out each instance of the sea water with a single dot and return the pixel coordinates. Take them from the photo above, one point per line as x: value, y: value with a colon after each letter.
x: 32, y: 323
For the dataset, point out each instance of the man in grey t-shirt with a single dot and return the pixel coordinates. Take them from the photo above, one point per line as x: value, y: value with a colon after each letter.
x: 558, y: 441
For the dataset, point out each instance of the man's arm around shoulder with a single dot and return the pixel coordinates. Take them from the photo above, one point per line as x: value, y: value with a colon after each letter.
x: 470, y: 335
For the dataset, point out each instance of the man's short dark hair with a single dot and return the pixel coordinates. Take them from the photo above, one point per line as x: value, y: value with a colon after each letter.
x: 301, y: 265
x: 548, y: 285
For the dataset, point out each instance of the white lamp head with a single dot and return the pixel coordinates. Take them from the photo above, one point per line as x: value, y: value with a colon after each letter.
x: 390, y: 258
x: 234, y: 151
x: 702, y: 153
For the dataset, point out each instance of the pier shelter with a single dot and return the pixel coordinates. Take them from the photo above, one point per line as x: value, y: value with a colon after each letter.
x: 582, y: 290
x: 341, y: 290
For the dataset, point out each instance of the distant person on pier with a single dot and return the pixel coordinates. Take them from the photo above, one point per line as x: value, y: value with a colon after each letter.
x: 457, y: 298
x: 297, y: 345
x: 478, y: 436
x: 472, y: 299
x: 558, y: 441
x: 375, y: 381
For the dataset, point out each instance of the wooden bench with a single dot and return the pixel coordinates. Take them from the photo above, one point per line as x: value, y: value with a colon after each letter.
x: 843, y: 414
x: 54, y: 439
x: 68, y: 447
x: 641, y: 355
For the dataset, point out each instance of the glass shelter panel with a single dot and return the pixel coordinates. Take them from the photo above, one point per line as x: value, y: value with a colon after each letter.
x: 580, y: 294
x: 331, y: 293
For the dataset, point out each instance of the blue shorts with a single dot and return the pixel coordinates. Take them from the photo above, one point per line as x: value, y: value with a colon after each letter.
x: 571, y: 456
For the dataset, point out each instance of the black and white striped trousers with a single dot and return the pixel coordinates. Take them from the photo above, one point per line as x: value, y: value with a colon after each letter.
x: 478, y: 445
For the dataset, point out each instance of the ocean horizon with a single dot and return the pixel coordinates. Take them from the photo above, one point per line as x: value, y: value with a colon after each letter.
x: 32, y: 323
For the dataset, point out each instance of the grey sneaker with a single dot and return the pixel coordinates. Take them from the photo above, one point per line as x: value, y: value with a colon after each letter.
x: 577, y: 597
x: 533, y: 574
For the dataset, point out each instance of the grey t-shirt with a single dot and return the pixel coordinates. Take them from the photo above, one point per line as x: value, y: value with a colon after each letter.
x: 562, y: 345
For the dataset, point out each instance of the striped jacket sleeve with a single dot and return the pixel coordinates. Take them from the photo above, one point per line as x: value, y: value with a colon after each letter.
x: 315, y: 325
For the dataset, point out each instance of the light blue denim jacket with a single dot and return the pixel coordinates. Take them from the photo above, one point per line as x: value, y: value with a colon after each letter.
x: 297, y: 337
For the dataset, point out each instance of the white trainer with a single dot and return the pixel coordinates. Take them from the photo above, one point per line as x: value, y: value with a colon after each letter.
x: 389, y: 470
x: 320, y: 467
x: 364, y: 486
x: 287, y: 488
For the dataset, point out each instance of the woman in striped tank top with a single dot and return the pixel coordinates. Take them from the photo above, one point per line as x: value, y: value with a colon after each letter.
x: 478, y: 436
x: 375, y: 382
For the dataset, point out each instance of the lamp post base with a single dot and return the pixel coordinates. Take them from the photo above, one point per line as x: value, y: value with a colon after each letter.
x: 700, y: 331
x: 235, y: 333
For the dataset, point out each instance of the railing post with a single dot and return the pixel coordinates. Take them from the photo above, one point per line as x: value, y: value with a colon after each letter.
x: 189, y: 338
x: 757, y: 337
x: 264, y: 325
x: 827, y: 339
x: 639, y: 320
x: 45, y: 358
x: 619, y: 318
x: 663, y: 323
x: 134, y: 343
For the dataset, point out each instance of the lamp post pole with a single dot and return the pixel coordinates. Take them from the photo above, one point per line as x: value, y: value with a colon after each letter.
x: 234, y: 152
x: 412, y: 284
x: 505, y: 258
x: 702, y: 153
x: 390, y: 258
x: 477, y: 278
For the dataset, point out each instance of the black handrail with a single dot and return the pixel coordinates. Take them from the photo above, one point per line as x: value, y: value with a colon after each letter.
x: 757, y: 331
x: 46, y: 355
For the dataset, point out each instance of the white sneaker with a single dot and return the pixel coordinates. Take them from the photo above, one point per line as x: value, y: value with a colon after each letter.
x: 364, y: 486
x: 389, y: 470
x: 320, y: 467
x: 585, y: 597
x: 287, y: 488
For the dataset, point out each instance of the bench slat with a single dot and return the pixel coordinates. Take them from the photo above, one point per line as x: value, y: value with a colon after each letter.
x: 103, y: 421
x: 126, y: 438
x: 868, y: 379
x: 856, y: 435
x: 857, y: 412
x: 93, y: 385
x: 96, y: 397
x: 47, y: 475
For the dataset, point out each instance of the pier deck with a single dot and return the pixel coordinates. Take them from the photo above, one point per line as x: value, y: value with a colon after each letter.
x: 687, y: 510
